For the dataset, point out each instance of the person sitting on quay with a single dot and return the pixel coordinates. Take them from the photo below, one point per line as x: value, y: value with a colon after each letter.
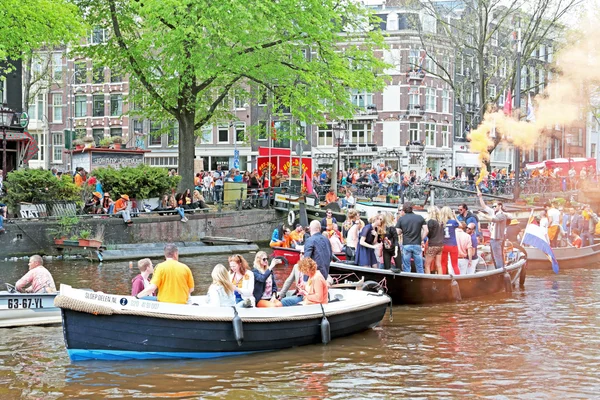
x: 242, y: 279
x: 38, y: 279
x: 172, y: 278
x: 3, y: 214
x: 221, y: 291
x: 265, y: 287
x: 331, y: 197
x: 328, y: 222
x: 142, y: 280
x: 93, y: 205
x: 198, y: 201
x: 121, y: 208
x: 108, y: 204
x: 317, y: 288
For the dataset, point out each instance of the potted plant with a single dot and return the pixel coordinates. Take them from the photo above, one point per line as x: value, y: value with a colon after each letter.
x: 105, y: 142
x: 79, y: 144
x: 84, y: 238
x: 88, y: 141
x: 117, y: 142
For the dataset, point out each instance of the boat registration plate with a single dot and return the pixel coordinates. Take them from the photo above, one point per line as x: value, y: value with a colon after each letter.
x: 24, y: 303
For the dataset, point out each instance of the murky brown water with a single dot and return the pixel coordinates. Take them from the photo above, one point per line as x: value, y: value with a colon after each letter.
x: 541, y: 343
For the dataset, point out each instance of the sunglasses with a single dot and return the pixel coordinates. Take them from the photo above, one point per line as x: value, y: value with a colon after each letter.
x: 265, y: 259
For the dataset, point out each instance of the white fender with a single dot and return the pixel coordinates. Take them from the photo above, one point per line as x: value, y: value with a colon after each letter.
x: 291, y: 218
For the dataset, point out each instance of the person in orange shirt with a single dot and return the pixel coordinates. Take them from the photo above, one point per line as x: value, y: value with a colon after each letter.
x: 121, y: 208
x: 79, y: 177
x: 331, y: 197
x: 316, y: 287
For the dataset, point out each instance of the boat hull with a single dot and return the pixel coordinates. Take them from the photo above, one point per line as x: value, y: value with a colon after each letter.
x: 293, y: 255
x: 25, y: 309
x: 412, y: 288
x: 567, y: 257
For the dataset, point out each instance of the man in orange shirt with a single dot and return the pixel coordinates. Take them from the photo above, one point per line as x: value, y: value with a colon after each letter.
x: 79, y: 177
x: 121, y: 208
x: 331, y: 197
x: 173, y: 279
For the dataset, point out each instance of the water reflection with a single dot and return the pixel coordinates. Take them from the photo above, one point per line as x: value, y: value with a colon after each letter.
x: 539, y: 343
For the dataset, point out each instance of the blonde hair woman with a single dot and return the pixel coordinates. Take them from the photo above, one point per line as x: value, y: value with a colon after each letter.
x: 390, y: 242
x: 435, y: 240
x: 220, y: 292
x: 450, y: 248
x: 265, y: 287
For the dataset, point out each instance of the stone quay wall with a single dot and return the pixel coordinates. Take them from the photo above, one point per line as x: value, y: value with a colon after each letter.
x: 27, y: 237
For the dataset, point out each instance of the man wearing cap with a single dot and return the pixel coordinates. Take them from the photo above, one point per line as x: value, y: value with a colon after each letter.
x: 413, y: 229
x: 497, y: 220
x: 121, y: 208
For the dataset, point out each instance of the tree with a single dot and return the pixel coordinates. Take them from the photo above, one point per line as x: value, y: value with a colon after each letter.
x: 482, y: 34
x: 188, y: 56
x: 30, y: 24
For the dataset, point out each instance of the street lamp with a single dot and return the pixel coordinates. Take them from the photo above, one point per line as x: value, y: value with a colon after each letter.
x: 339, y: 132
x: 6, y: 117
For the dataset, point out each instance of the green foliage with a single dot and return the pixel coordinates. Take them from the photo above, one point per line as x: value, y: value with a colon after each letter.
x: 66, y: 227
x: 39, y: 186
x: 105, y: 142
x: 139, y: 182
x: 30, y: 24
x: 84, y: 234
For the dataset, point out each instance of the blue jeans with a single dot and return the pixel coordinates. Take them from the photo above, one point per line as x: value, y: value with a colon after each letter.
x: 181, y: 212
x: 497, y: 247
x: 1, y: 221
x: 291, y: 300
x: 415, y: 252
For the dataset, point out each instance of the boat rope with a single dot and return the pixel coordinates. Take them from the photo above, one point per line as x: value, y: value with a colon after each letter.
x: 70, y: 303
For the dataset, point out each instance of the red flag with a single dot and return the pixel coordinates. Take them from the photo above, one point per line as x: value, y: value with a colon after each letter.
x: 508, y: 103
x: 273, y: 131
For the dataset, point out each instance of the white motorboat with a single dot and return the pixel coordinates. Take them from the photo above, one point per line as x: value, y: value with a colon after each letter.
x: 24, y: 309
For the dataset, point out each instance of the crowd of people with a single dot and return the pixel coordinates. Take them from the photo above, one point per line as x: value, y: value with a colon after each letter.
x: 569, y: 226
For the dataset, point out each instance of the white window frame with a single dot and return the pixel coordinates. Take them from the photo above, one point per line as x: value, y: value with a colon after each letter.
x: 325, y: 136
x: 430, y: 100
x: 356, y: 97
x: 446, y: 136
x: 494, y: 64
x: 222, y: 128
x: 361, y: 133
x: 492, y: 91
x: 414, y: 135
x: 58, y: 145
x: 206, y: 134
x: 57, y: 107
x: 430, y: 134
x: 494, y: 40
x: 414, y: 94
x: 446, y: 101
x: 239, y: 127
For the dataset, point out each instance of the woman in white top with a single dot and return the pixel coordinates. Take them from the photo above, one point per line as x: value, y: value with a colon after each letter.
x: 242, y: 279
x: 544, y: 222
x: 220, y: 293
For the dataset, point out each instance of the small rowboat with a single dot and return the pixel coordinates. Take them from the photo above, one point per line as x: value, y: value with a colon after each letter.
x: 567, y: 257
x: 24, y: 309
x: 115, y: 327
x: 413, y: 288
x: 292, y: 256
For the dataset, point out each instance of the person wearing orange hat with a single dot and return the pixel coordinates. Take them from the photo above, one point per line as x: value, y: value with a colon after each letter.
x: 121, y: 208
x: 92, y: 206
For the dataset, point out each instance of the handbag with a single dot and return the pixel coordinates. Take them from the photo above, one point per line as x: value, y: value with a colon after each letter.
x: 349, y: 251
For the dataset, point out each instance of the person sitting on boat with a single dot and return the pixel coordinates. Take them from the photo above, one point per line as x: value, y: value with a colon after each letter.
x: 242, y: 279
x: 335, y: 240
x: 173, y: 279
x: 369, y: 245
x: 296, y: 297
x: 464, y: 215
x: 349, y: 201
x: 280, y: 237
x: 265, y: 287
x: 316, y: 285
x: 38, y: 278
x: 575, y: 239
x: 142, y: 280
x: 471, y: 230
x: 331, y: 197
x: 318, y: 248
x: 121, y: 208
x: 221, y: 291
x: 297, y: 236
x: 328, y: 222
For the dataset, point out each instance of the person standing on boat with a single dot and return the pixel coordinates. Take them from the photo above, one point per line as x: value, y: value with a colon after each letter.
x: 435, y: 241
x: 369, y: 245
x: 413, y: 229
x: 464, y: 215
x: 497, y: 219
x: 390, y: 243
x: 173, y: 279
x: 142, y: 280
x: 353, y: 225
x: 328, y: 222
x: 318, y: 248
x: 465, y: 248
x: 554, y: 221
x: 450, y: 249
x: 39, y: 279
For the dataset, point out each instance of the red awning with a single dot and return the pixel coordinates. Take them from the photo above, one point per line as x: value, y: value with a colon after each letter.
x: 28, y: 145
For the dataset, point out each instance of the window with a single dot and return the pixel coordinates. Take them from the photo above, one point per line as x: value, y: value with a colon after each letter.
x: 362, y: 133
x: 239, y: 101
x: 98, y: 135
x: 206, y: 134
x: 503, y: 67
x: 492, y: 91
x: 579, y: 138
x: 361, y: 98
x: 36, y: 108
x: 593, y: 150
x: 532, y: 154
x: 262, y: 96
x: 116, y: 105
x: 523, y: 77
x: 458, y: 126
x: 282, y: 129
x: 115, y: 75
x: 155, y: 139
x: 325, y: 136
x: 413, y: 132
x: 445, y: 136
x: 116, y: 132
x: 445, y: 101
x: 262, y: 133
x: 173, y: 134
x: 413, y: 97
x: 58, y: 145
x: 430, y: 65
x: 460, y: 68
x: 57, y: 66
x: 80, y: 106
x: 493, y: 65
x: 494, y: 40
x: 57, y: 104
x: 80, y: 73
x: 223, y: 133
x: 240, y: 132
x: 99, y: 35
x: 549, y: 51
x: 430, y: 100
x: 430, y: 134
x: 542, y: 52
x: 556, y: 148
x: 40, y: 139
x: 542, y: 79
x: 413, y: 58
x: 98, y: 74
x: 98, y: 105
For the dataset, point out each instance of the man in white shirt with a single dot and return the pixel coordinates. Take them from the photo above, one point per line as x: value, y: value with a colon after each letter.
x: 553, y: 225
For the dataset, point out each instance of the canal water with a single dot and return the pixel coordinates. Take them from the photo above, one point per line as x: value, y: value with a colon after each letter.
x: 540, y: 343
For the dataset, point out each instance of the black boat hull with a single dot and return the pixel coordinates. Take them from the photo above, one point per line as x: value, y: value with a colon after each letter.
x: 412, y: 288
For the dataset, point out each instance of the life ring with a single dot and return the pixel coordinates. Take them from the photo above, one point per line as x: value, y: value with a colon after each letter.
x: 291, y: 218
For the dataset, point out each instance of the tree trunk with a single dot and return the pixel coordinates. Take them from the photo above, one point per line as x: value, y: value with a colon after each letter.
x: 187, y: 150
